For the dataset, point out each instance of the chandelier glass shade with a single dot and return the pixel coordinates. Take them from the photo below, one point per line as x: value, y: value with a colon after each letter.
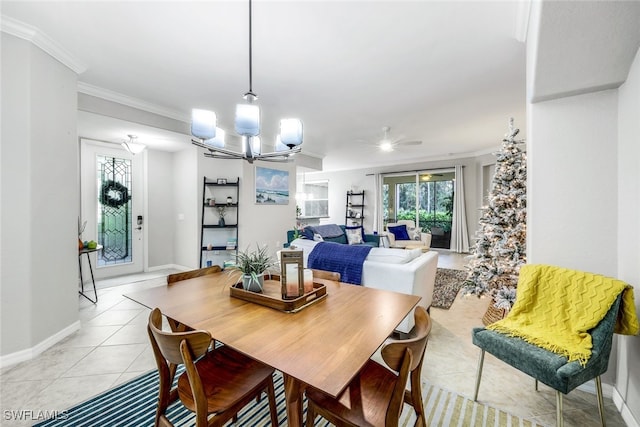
x: 247, y: 125
x: 133, y: 147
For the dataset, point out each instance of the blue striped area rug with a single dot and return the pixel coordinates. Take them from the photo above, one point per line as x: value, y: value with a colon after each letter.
x: 133, y: 404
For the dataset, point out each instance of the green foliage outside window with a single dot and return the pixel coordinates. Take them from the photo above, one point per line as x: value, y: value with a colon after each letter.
x: 428, y: 219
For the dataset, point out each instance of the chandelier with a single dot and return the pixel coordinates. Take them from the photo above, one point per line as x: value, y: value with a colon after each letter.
x: 247, y: 125
x: 131, y: 146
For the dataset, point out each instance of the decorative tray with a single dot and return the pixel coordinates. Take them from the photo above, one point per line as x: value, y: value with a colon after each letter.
x: 271, y: 295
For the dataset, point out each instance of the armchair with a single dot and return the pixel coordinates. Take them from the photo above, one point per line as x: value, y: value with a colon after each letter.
x: 551, y: 313
x: 416, y: 238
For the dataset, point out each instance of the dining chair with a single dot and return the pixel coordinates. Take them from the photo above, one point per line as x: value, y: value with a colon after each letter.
x: 176, y: 277
x: 375, y: 397
x: 327, y: 275
x: 216, y: 383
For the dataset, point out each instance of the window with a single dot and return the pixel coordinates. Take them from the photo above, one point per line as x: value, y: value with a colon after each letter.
x: 314, y: 200
x: 114, y: 210
x: 423, y: 197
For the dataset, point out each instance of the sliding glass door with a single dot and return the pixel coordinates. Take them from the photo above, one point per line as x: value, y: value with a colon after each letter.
x: 425, y: 197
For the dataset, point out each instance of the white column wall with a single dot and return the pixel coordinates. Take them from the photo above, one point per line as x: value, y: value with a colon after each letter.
x: 628, y: 369
x: 572, y: 194
x: 39, y: 199
x: 15, y: 229
x: 572, y: 184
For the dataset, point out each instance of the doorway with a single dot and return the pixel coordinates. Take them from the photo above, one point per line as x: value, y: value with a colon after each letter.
x: 111, y: 187
x: 425, y: 197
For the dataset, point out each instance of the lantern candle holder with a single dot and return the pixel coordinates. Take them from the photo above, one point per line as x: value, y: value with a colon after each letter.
x: 292, y: 274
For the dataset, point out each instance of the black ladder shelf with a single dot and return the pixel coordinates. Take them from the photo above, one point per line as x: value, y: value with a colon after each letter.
x: 219, y: 240
x: 354, y: 208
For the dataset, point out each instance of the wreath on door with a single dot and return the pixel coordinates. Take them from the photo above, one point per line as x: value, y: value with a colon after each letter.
x: 113, y: 194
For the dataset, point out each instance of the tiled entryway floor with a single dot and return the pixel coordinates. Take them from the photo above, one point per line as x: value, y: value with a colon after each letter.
x: 112, y: 347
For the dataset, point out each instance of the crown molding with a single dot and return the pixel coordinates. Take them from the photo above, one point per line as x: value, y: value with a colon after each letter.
x: 129, y: 101
x: 38, y: 38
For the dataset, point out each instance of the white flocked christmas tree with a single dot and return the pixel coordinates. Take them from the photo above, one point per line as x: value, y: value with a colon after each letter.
x: 500, y: 247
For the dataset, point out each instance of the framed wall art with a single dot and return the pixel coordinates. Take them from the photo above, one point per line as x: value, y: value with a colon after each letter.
x: 272, y: 186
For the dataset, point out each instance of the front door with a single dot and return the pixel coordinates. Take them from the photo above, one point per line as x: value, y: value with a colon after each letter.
x: 112, y: 206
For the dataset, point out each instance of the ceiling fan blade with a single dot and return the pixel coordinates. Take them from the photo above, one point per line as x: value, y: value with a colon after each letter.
x: 415, y: 142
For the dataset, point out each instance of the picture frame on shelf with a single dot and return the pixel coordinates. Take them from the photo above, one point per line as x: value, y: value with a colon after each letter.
x: 221, y: 181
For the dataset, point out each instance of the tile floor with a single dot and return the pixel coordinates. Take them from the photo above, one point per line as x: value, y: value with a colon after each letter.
x: 112, y: 347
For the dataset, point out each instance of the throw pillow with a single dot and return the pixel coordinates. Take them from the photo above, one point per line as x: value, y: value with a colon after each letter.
x: 317, y: 238
x: 353, y: 237
x: 355, y: 234
x: 308, y: 232
x: 399, y: 232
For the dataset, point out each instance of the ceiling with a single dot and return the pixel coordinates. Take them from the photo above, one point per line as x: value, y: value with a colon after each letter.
x: 449, y: 73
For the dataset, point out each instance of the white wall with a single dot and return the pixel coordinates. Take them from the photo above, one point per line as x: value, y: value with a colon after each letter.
x: 160, y: 208
x: 259, y: 224
x: 339, y: 183
x: 572, y: 184
x: 39, y: 258
x: 628, y: 184
x: 15, y: 200
x: 186, y: 208
x: 266, y: 224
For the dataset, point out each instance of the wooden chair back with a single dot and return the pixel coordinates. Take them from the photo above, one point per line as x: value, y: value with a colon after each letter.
x: 171, y: 349
x: 193, y: 273
x: 377, y: 394
x: 168, y: 343
x: 327, y: 275
x: 232, y: 380
x: 393, y: 351
x: 405, y: 357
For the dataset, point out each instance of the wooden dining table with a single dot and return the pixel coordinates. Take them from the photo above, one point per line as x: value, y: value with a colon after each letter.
x: 324, y: 345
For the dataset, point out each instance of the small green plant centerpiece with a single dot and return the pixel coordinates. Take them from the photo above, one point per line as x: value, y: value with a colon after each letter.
x: 253, y: 265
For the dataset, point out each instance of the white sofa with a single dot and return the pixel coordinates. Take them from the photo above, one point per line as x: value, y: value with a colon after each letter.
x: 418, y: 238
x: 406, y: 271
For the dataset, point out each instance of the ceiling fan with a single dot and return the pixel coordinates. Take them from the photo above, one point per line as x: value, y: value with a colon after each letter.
x: 387, y: 144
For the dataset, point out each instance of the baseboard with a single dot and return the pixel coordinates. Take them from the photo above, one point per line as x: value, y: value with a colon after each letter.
x: 610, y: 392
x: 169, y: 267
x: 626, y: 414
x: 30, y: 353
x: 590, y: 387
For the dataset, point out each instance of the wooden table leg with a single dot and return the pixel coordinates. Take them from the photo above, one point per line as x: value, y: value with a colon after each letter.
x: 293, y: 397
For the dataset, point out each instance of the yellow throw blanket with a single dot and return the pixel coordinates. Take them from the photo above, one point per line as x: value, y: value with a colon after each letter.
x: 556, y: 308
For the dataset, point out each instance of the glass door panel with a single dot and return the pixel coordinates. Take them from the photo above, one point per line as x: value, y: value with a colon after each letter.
x: 423, y: 197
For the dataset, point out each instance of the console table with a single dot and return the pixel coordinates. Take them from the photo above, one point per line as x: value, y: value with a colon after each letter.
x: 87, y: 251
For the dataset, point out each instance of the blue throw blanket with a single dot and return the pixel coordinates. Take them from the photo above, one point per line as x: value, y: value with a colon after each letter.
x: 344, y: 259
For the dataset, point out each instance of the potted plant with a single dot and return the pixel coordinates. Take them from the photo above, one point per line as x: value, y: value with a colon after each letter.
x: 253, y: 265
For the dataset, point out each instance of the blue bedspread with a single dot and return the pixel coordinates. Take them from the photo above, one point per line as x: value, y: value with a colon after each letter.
x: 344, y: 259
